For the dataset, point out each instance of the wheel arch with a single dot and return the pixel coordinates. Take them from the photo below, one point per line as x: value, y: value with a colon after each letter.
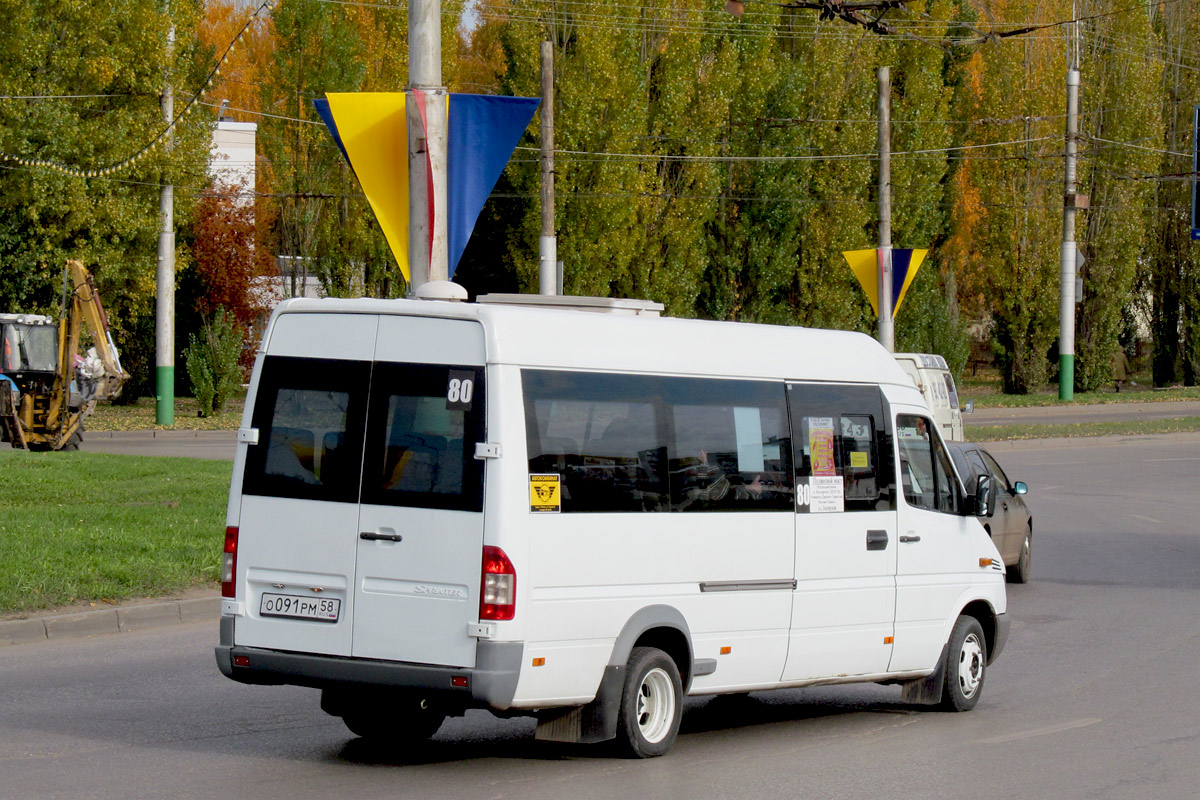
x: 982, y: 611
x: 660, y: 626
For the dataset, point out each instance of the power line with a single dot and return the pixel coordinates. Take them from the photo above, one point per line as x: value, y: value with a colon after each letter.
x: 75, y: 172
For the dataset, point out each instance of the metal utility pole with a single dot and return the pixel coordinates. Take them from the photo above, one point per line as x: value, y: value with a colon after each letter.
x: 1066, y: 281
x: 427, y: 240
x: 164, y: 323
x: 886, y: 331
x: 548, y: 244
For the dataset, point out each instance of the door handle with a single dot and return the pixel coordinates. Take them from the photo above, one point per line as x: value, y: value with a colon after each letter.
x: 910, y: 538
x: 372, y: 536
x: 877, y: 540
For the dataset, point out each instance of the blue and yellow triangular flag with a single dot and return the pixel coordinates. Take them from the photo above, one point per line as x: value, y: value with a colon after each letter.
x: 867, y: 267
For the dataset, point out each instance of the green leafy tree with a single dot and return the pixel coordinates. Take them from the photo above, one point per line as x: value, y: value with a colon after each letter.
x: 84, y: 83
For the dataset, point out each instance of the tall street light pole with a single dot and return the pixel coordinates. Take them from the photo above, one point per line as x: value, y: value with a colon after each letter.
x: 164, y: 323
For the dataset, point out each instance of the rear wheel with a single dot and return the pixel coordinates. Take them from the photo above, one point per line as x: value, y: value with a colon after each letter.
x: 382, y: 718
x: 651, y: 704
x: 966, y: 664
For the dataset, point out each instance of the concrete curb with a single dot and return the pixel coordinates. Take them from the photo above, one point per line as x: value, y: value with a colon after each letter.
x: 119, y: 619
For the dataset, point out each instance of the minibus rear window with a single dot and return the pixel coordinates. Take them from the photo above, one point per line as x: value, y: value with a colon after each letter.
x: 310, y: 415
x: 424, y: 423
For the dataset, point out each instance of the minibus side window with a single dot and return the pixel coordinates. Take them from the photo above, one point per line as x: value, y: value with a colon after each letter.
x: 601, y: 434
x: 309, y: 414
x: 731, y: 449
x: 653, y: 443
x: 843, y: 449
x: 925, y: 471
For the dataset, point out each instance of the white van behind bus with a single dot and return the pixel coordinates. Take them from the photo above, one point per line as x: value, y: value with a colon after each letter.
x: 586, y: 517
x: 933, y: 378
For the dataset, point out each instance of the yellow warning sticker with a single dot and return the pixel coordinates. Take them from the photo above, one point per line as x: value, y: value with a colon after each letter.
x: 545, y: 493
x: 858, y: 459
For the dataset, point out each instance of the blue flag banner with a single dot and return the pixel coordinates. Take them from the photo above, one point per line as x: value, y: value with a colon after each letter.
x: 483, y: 132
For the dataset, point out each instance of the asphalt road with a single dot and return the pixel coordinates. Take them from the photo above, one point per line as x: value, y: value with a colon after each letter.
x: 1094, y: 697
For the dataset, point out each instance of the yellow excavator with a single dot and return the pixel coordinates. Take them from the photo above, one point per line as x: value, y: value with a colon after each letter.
x: 47, y: 388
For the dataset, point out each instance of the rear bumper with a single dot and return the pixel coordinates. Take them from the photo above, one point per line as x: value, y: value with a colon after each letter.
x: 491, y: 683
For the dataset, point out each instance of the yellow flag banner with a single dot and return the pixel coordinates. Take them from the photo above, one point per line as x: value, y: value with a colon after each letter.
x: 373, y: 129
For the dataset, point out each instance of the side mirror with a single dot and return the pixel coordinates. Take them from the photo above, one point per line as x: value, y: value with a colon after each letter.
x: 969, y: 407
x: 983, y: 496
x: 1020, y: 488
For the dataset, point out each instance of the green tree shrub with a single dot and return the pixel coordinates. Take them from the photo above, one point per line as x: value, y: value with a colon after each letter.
x: 212, y: 362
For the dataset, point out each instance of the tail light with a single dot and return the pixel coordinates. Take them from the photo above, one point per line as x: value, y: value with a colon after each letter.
x: 498, y: 586
x: 229, y: 563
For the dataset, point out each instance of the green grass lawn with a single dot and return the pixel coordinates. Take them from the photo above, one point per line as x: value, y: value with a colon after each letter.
x: 141, y: 416
x: 996, y: 433
x: 89, y: 527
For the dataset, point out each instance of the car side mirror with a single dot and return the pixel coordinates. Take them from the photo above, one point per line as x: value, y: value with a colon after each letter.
x: 968, y: 407
x: 1020, y: 488
x: 983, y: 496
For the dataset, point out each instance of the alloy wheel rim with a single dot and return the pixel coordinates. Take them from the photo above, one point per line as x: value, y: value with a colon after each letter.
x: 655, y: 705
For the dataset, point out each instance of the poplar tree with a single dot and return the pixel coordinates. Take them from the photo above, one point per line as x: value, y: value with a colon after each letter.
x: 1119, y: 103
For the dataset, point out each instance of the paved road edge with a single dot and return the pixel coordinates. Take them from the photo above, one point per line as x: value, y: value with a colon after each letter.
x: 117, y: 619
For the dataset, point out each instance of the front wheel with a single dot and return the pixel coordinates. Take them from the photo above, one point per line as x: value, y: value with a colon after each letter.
x: 1020, y: 571
x: 966, y: 663
x: 651, y: 704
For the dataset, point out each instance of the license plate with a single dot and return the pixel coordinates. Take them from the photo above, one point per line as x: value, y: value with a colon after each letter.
x: 322, y: 609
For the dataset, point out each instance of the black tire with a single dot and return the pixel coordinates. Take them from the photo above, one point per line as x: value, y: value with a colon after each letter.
x: 966, y: 665
x: 1021, y: 571
x: 397, y: 720
x: 651, y: 704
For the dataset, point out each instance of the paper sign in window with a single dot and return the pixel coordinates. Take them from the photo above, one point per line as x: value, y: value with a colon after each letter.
x: 820, y: 446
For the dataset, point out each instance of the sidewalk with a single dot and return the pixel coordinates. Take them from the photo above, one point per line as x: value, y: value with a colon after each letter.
x: 196, y: 606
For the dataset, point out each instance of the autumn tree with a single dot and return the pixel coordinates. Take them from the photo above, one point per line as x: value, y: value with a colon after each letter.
x: 246, y: 67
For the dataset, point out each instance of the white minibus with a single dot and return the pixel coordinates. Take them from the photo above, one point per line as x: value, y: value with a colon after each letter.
x: 586, y: 517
